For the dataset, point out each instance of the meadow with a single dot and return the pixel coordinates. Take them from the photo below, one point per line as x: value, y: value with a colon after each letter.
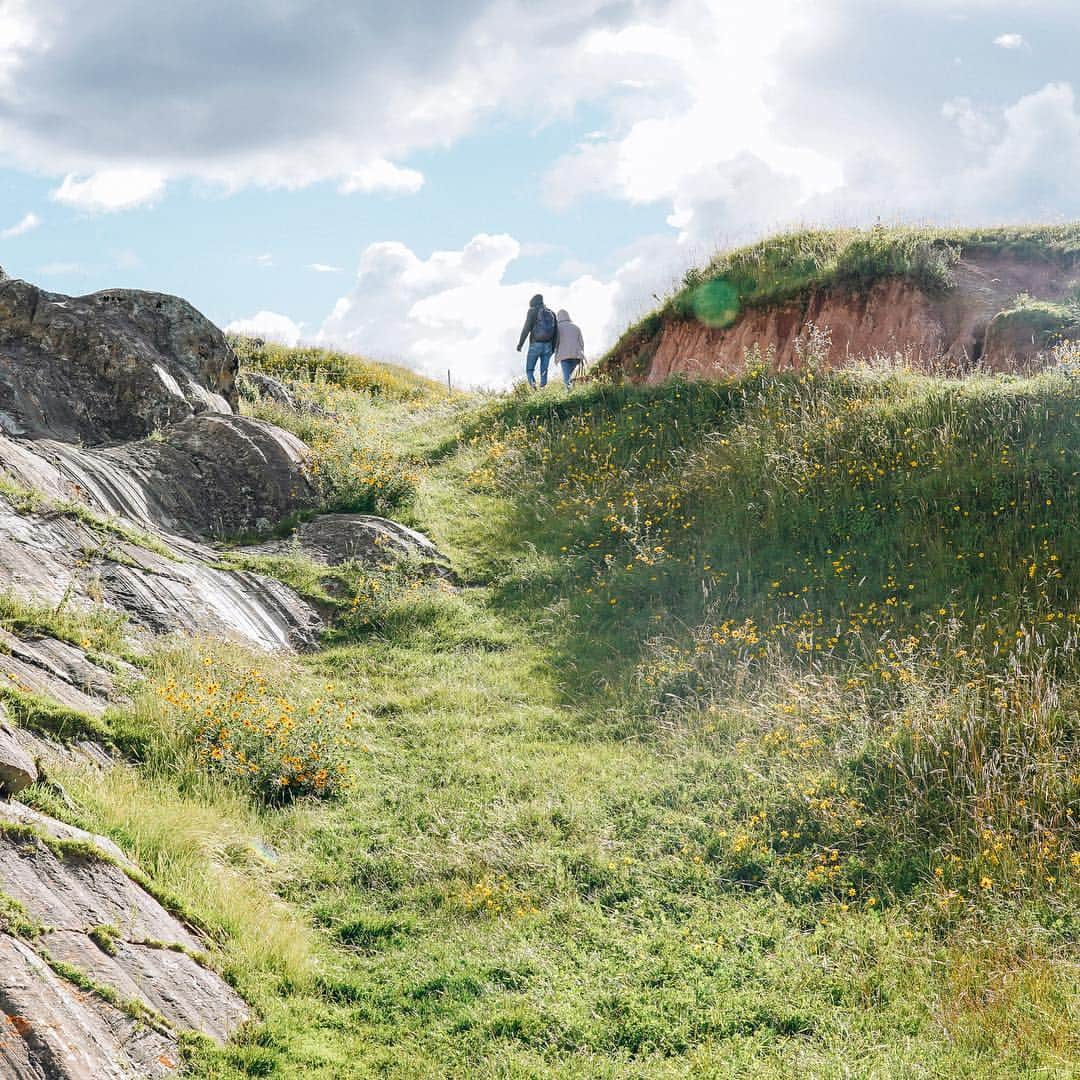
x: 746, y: 744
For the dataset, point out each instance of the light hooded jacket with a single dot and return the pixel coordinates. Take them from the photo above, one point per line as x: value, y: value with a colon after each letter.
x: 571, y: 345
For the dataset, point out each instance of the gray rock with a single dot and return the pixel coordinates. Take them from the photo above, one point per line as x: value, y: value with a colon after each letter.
x: 212, y: 476
x: 14, y: 813
x: 46, y: 750
x: 51, y: 1031
x: 58, y: 559
x: 186, y: 994
x: 333, y: 539
x: 17, y: 768
x: 55, y: 670
x: 109, y: 366
x: 255, y: 386
x: 64, y: 662
x: 49, y: 1028
x: 79, y: 893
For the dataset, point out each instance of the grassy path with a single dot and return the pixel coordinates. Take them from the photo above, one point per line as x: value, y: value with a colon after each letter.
x: 508, y: 891
x: 733, y: 873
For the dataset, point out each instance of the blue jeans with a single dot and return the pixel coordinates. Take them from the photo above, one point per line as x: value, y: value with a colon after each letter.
x: 538, y: 350
x: 568, y: 370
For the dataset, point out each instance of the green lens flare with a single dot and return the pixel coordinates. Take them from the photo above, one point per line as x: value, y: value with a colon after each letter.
x: 716, y: 303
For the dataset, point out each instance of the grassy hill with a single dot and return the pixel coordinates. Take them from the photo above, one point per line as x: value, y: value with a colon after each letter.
x: 786, y: 268
x: 748, y: 745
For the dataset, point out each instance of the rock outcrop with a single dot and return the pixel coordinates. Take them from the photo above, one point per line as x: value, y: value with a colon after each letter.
x: 174, y: 586
x: 332, y: 539
x: 209, y: 477
x: 118, y: 413
x: 58, y: 671
x: 109, y: 366
x: 142, y: 979
x: 17, y: 768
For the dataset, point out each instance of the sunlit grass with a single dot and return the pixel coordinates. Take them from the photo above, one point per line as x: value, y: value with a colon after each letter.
x: 732, y: 756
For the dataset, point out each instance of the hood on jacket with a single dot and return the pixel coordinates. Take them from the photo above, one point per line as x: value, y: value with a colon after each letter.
x: 537, y: 301
x: 564, y: 315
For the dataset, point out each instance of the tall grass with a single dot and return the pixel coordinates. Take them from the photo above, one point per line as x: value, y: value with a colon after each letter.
x: 864, y: 580
x: 747, y: 746
x: 334, y: 368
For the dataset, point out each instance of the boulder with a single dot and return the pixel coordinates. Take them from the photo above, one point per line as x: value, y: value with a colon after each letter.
x: 110, y: 366
x: 17, y: 769
x: 209, y: 477
x: 255, y: 386
x: 333, y: 539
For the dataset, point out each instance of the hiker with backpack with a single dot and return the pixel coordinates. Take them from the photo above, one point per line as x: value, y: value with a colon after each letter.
x: 570, y: 346
x: 542, y: 330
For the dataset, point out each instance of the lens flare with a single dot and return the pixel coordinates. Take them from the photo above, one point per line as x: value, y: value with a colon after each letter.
x: 716, y: 303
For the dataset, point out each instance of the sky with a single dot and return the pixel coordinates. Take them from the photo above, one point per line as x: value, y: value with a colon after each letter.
x: 399, y: 179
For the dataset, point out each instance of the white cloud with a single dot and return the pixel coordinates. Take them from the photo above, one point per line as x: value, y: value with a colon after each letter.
x: 324, y: 268
x: 1010, y: 41
x: 382, y: 176
x: 226, y: 94
x: 24, y: 225
x: 111, y: 189
x: 705, y: 114
x: 972, y: 123
x: 268, y: 325
x: 1029, y: 172
x: 454, y: 310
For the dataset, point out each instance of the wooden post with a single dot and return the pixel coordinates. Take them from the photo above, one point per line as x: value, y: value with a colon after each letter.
x: 448, y: 386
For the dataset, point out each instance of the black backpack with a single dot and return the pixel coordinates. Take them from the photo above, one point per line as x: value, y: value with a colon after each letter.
x: 544, y: 329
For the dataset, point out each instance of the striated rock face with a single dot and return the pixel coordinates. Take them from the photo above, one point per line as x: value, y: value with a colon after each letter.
x: 60, y: 559
x: 50, y: 1032
x: 92, y: 917
x: 123, y: 402
x: 891, y: 317
x: 210, y: 477
x: 333, y: 539
x: 54, y: 669
x: 110, y: 366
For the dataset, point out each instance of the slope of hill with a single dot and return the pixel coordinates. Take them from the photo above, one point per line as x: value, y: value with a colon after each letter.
x: 742, y: 740
x: 994, y: 298
x: 746, y: 746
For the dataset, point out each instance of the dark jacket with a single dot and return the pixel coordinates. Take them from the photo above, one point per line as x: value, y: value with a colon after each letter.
x: 535, y: 304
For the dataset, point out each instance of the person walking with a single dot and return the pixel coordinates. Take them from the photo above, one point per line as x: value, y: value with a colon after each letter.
x: 570, y: 346
x: 542, y: 330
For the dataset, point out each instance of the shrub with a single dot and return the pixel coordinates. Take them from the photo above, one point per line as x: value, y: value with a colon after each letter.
x: 274, y: 741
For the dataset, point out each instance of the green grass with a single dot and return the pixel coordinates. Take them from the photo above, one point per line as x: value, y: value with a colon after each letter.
x: 748, y: 748
x: 787, y: 267
x: 334, y: 368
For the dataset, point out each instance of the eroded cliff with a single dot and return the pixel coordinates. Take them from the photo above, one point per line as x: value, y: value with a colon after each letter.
x: 999, y: 310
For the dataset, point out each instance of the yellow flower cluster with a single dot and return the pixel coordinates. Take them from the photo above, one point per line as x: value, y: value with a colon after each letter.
x: 243, y: 727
